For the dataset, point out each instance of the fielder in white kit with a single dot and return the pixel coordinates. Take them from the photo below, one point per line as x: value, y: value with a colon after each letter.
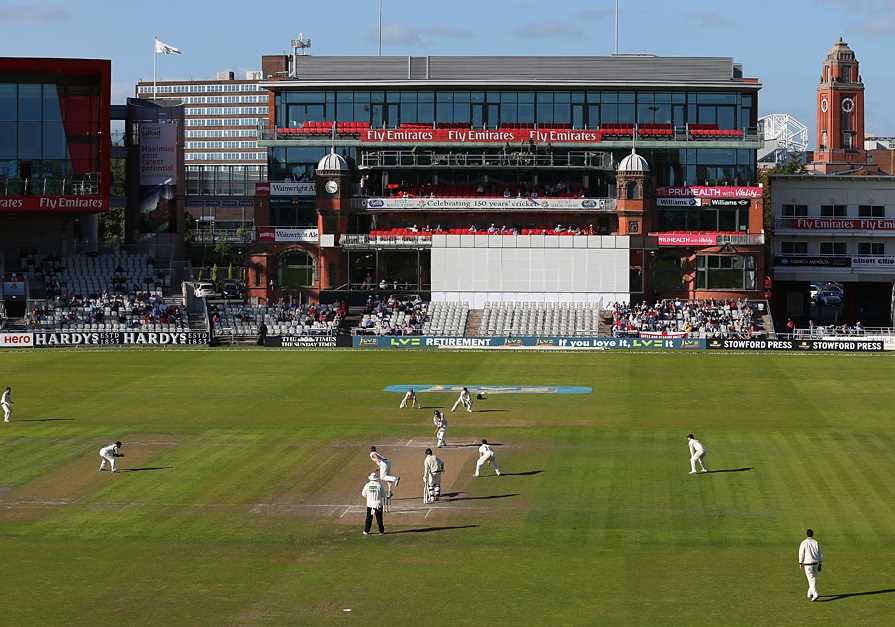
x: 464, y: 399
x: 108, y: 454
x: 697, y: 454
x: 486, y: 455
x: 441, y: 424
x: 6, y: 403
x: 410, y: 399
x: 384, y: 466
x: 433, y: 468
x: 811, y: 557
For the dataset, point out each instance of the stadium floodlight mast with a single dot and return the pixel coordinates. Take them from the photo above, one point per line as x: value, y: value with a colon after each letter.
x: 380, y: 28
x: 616, y: 26
x: 300, y: 47
x: 783, y: 134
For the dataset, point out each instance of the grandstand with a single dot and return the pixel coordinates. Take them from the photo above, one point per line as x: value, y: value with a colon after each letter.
x: 244, y: 320
x: 540, y: 319
x: 91, y: 274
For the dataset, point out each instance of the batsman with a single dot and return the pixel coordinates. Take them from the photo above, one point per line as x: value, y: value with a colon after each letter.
x: 433, y: 468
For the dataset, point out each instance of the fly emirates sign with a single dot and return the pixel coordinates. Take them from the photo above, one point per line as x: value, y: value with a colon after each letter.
x: 467, y: 136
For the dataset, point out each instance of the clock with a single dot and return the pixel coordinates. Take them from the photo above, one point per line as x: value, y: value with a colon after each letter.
x: 331, y: 187
x: 848, y: 105
x: 824, y: 105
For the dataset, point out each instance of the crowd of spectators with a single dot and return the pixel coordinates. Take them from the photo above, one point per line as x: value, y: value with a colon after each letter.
x: 393, y: 315
x: 117, y: 311
x: 711, y: 319
x: 282, y: 318
x: 486, y: 190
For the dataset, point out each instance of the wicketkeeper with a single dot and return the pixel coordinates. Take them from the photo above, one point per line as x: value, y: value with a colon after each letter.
x: 410, y: 399
x: 433, y: 468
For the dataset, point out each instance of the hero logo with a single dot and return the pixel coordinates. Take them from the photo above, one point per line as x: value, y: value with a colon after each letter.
x: 16, y: 340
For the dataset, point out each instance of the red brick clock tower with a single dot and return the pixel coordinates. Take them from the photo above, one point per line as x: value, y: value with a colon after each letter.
x: 840, y: 112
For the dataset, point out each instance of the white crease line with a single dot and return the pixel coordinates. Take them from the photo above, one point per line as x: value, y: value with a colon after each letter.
x: 347, y: 509
x: 428, y: 512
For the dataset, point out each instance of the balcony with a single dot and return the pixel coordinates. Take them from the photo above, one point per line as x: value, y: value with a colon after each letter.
x: 513, y: 159
x: 380, y: 240
x: 485, y: 204
x: 608, y: 135
x: 75, y: 185
x: 209, y: 237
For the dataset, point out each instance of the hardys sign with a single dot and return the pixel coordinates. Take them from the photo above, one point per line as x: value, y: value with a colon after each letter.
x: 116, y: 338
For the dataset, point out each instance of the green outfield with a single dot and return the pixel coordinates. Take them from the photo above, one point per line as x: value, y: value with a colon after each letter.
x: 239, y: 500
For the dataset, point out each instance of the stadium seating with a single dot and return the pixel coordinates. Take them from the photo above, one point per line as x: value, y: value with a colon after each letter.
x: 540, y: 319
x: 109, y: 312
x: 280, y: 319
x: 95, y: 274
x: 393, y: 315
x: 446, y: 319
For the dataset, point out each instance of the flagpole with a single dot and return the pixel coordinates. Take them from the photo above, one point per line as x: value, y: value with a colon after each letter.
x: 380, y: 28
x: 154, y: 67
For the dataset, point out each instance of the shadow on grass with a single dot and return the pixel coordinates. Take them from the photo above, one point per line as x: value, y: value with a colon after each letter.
x: 836, y: 597
x: 44, y: 419
x: 711, y: 472
x: 481, y: 498
x: 485, y: 411
x: 146, y: 468
x: 430, y: 529
x: 527, y: 473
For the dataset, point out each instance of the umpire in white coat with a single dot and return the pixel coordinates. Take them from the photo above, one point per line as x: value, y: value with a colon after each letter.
x: 375, y: 495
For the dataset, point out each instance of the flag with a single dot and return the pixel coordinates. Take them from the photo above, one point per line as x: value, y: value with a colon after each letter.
x: 163, y: 48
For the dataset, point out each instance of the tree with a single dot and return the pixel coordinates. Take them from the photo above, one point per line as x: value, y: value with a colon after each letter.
x: 793, y: 166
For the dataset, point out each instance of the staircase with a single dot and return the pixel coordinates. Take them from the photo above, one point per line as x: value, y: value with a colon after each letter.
x: 473, y: 323
x: 767, y: 321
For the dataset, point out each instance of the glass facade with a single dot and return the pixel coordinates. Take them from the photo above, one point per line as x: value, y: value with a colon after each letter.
x: 495, y: 108
x: 731, y: 272
x: 49, y: 135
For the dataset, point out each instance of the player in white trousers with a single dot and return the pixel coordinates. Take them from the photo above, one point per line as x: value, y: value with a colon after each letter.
x: 811, y: 557
x: 384, y: 466
x: 486, y: 455
x: 108, y: 454
x: 410, y: 399
x: 441, y: 424
x: 433, y: 468
x: 464, y: 399
x: 697, y: 454
x: 6, y: 403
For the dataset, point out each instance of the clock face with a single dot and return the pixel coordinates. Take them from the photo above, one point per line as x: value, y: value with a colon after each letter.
x: 331, y: 187
x: 824, y: 105
x: 848, y: 105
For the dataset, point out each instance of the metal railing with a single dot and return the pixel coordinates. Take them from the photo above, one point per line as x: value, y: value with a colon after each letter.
x: 76, y: 185
x: 223, y: 236
x: 365, y: 241
x: 477, y: 160
x: 823, y: 332
x: 744, y: 239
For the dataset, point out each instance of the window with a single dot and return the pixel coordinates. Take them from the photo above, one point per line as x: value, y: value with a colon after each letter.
x: 871, y: 249
x: 845, y: 73
x: 871, y: 211
x: 795, y: 211
x: 729, y: 272
x: 833, y: 211
x: 794, y: 248
x: 833, y: 249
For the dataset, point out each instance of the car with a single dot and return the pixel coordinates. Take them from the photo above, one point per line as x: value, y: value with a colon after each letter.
x: 231, y: 290
x: 204, y: 290
x: 829, y: 297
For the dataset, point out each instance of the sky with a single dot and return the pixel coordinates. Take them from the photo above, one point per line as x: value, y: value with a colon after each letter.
x: 781, y: 42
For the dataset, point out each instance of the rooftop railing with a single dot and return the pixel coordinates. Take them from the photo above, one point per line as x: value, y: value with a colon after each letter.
x: 75, y: 185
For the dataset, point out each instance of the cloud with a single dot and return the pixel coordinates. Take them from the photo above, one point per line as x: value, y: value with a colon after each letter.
x: 33, y: 14
x: 548, y: 29
x: 418, y: 34
x: 878, y: 27
x: 560, y: 29
x: 864, y: 7
x: 710, y: 19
